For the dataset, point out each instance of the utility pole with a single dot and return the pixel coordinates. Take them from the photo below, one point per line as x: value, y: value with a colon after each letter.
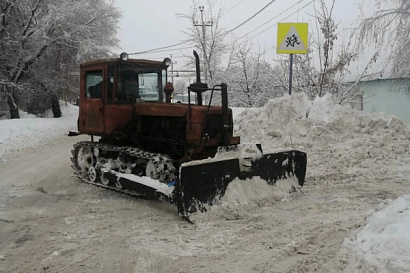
x: 172, y: 69
x: 203, y: 24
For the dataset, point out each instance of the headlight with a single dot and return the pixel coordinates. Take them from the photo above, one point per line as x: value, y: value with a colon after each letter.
x: 167, y: 61
x: 124, y: 56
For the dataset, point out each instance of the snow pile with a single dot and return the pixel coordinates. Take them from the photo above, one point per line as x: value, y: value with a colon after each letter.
x: 383, y: 244
x: 253, y: 190
x: 334, y: 137
x: 324, y: 110
x: 241, y: 198
x: 30, y: 131
x: 294, y: 120
x: 340, y: 142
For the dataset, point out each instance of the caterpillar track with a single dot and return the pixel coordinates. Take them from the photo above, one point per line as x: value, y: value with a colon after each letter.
x: 125, y: 169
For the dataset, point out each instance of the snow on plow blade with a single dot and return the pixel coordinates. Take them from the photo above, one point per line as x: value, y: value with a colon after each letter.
x: 203, y: 184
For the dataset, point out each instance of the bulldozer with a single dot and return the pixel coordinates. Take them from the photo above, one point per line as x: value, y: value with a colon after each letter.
x: 147, y: 146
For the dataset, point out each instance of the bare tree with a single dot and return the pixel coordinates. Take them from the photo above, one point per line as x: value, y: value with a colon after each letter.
x: 389, y: 29
x: 333, y: 60
x: 206, y: 35
x: 250, y: 77
x: 253, y: 81
x: 325, y: 47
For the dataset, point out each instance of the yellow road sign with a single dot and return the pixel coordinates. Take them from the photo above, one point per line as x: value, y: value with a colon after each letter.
x: 292, y: 38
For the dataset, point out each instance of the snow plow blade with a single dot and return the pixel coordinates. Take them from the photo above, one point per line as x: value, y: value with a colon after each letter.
x: 202, y: 184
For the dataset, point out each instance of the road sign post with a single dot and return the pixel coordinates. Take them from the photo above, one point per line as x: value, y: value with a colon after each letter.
x: 292, y: 39
x: 290, y: 72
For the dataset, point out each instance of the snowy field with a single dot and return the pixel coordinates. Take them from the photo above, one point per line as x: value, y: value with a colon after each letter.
x: 346, y: 150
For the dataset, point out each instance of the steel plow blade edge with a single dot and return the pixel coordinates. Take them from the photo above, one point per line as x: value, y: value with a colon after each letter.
x: 202, y: 184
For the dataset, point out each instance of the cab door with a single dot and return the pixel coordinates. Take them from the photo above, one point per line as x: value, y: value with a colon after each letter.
x: 92, y: 105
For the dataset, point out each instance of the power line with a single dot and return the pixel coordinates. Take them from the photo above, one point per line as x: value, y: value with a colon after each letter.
x: 299, y: 9
x: 283, y: 19
x: 250, y: 18
x: 271, y: 19
x: 149, y: 50
x: 230, y: 9
x: 159, y: 49
x: 156, y: 51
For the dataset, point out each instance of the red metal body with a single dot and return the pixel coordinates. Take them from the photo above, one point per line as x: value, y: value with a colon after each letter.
x: 183, y: 131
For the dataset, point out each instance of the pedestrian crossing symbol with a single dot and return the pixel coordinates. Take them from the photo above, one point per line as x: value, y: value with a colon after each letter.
x: 292, y: 38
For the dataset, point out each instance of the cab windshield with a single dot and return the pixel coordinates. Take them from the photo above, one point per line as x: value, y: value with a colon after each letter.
x: 138, y: 82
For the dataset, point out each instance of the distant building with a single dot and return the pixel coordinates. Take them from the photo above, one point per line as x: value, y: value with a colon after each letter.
x: 389, y: 96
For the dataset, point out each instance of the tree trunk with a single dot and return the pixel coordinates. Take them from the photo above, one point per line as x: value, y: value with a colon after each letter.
x: 14, y: 110
x: 55, y: 106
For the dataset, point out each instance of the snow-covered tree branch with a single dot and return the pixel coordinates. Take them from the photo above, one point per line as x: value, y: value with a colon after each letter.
x: 33, y: 33
x: 388, y: 28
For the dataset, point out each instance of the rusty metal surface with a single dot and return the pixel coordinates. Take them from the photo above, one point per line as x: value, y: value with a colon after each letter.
x: 198, y: 127
x: 117, y: 60
x: 91, y: 119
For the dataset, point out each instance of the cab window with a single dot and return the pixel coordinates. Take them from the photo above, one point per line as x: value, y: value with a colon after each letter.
x: 132, y: 86
x: 127, y: 88
x: 148, y: 86
x: 136, y: 81
x: 94, y: 84
x: 111, y: 70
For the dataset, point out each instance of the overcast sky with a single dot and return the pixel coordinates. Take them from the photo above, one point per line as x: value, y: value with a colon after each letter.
x: 151, y: 24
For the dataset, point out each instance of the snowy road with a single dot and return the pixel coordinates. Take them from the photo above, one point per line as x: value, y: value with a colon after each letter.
x: 50, y: 221
x: 357, y: 163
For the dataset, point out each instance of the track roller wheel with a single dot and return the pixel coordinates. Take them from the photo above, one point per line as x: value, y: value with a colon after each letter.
x: 118, y: 185
x: 151, y: 170
x: 96, y: 152
x: 104, y: 180
x: 92, y: 174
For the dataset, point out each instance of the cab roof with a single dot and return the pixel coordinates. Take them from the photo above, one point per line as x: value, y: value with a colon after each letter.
x: 115, y: 60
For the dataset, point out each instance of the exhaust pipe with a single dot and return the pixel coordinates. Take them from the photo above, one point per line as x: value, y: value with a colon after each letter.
x: 198, y: 87
x: 197, y: 68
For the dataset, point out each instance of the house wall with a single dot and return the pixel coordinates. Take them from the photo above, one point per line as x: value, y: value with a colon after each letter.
x: 388, y: 96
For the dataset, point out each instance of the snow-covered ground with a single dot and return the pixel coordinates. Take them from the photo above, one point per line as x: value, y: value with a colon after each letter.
x: 32, y: 132
x: 340, y: 143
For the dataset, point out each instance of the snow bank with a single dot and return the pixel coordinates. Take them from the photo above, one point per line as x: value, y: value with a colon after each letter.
x: 333, y: 136
x: 340, y: 143
x: 383, y: 244
x: 296, y: 116
x: 30, y: 131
